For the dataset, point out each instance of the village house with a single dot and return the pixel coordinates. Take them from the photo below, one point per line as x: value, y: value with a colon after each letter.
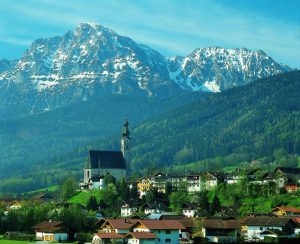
x: 143, y: 186
x: 254, y: 174
x: 189, y: 210
x: 189, y: 228
x: 211, y: 180
x: 255, y: 227
x: 138, y: 231
x: 128, y: 208
x: 286, y: 211
x: 291, y: 187
x: 297, y: 228
x: 51, y: 231
x: 96, y: 182
x: 141, y: 238
x: 155, y: 207
x: 160, y: 181
x: 194, y: 183
x: 119, y: 226
x: 167, y: 231
x: 177, y: 181
x: 14, y: 205
x: 234, y: 177
x: 103, y: 238
x: 42, y: 198
x: 287, y: 176
x: 221, y: 230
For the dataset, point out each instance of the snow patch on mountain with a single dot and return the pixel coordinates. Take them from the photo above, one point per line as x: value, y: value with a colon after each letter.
x: 93, y: 60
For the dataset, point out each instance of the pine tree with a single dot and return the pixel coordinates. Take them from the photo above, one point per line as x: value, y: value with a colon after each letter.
x: 215, y: 205
x: 92, y: 203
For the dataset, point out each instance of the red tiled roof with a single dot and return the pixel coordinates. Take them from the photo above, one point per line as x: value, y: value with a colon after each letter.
x: 110, y: 235
x: 122, y: 223
x: 221, y: 224
x: 288, y: 209
x: 142, y: 235
x: 162, y: 224
x: 52, y: 227
x: 297, y: 220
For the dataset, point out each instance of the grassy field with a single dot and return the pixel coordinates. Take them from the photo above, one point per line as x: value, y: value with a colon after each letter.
x: 47, y: 189
x: 83, y: 197
x: 22, y: 242
x: 13, y: 241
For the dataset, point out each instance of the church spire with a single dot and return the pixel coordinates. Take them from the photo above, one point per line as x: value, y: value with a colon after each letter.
x: 125, y: 138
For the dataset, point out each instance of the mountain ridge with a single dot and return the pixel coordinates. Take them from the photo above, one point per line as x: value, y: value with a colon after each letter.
x: 93, y: 60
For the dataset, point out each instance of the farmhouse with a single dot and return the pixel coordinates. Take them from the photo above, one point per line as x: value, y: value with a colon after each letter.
x: 219, y: 230
x: 51, y: 231
x: 256, y: 227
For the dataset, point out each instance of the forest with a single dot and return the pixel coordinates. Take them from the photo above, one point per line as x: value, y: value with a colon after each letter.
x: 259, y: 122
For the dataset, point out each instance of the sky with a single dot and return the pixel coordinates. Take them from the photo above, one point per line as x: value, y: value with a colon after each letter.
x: 172, y: 27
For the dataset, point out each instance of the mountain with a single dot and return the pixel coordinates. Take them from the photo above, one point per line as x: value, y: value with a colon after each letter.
x: 217, y: 69
x: 93, y: 61
x: 90, y: 61
x: 251, y: 121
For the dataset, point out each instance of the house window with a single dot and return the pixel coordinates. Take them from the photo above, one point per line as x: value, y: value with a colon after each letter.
x: 168, y: 240
x: 261, y: 228
x: 168, y: 232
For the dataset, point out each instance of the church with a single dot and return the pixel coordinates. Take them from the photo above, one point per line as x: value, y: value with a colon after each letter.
x: 101, y: 163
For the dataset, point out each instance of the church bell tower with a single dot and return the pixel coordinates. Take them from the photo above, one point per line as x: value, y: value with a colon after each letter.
x: 125, y: 139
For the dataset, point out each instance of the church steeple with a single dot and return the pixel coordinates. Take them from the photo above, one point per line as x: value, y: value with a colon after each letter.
x: 125, y: 139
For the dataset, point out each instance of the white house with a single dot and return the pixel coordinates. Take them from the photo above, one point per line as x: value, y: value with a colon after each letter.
x: 211, y: 181
x: 194, y: 183
x: 128, y: 209
x: 189, y: 210
x: 141, y: 238
x: 51, y: 231
x: 155, y: 207
x: 220, y: 230
x: 102, y: 238
x: 256, y: 227
x: 166, y: 231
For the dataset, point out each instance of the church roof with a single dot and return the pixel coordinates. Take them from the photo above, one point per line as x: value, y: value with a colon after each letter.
x: 106, y: 160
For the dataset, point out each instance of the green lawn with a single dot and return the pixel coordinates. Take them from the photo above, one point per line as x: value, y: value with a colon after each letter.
x: 13, y: 241
x: 83, y: 197
x: 47, y: 189
x: 21, y: 242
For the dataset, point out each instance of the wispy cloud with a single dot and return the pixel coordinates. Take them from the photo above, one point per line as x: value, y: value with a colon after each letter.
x: 174, y: 27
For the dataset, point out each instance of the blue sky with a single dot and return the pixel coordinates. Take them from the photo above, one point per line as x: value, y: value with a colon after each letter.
x: 173, y: 27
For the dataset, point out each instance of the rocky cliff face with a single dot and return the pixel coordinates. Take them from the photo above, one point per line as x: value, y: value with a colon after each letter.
x: 216, y: 69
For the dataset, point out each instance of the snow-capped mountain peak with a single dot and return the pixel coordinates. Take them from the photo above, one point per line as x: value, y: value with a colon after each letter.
x: 216, y: 68
x: 93, y: 60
